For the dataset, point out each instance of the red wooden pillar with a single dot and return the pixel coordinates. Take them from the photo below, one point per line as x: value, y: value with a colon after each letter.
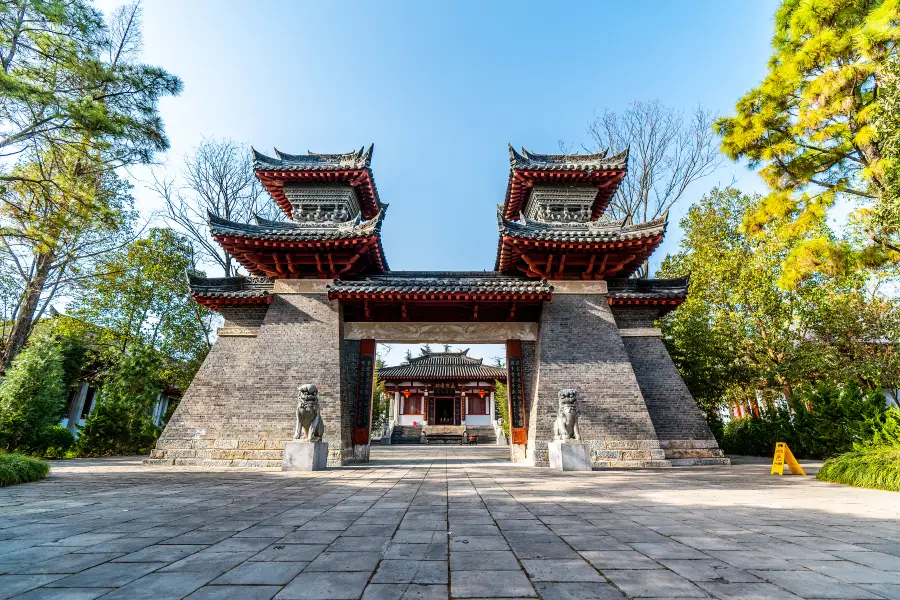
x: 515, y: 393
x: 365, y: 377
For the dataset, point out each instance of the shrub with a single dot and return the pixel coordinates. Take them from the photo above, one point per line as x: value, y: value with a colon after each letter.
x: 875, y: 467
x: 826, y: 421
x: 33, y: 394
x: 15, y: 468
x: 55, y: 442
x: 121, y: 423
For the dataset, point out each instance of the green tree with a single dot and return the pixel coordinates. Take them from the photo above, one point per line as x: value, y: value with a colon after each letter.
x: 739, y: 331
x: 809, y: 128
x: 140, y: 297
x: 381, y: 403
x: 32, y: 394
x: 121, y: 421
x: 75, y: 105
x: 501, y: 406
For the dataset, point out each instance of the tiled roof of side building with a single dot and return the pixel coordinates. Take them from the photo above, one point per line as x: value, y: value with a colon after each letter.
x: 265, y: 229
x: 676, y: 288
x: 584, y: 232
x: 599, y: 161
x: 313, y: 161
x: 444, y: 365
x: 240, y: 286
x: 442, y: 282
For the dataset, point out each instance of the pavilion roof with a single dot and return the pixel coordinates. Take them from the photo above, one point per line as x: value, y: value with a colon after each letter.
x: 352, y: 168
x: 666, y: 294
x: 216, y: 292
x: 441, y: 285
x: 313, y: 161
x: 285, y: 231
x: 526, y: 169
x: 288, y: 249
x: 443, y: 365
x: 590, y: 232
x: 585, y: 250
x: 598, y: 161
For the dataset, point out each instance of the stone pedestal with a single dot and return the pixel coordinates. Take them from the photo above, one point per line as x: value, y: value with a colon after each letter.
x: 569, y: 456
x: 305, y: 456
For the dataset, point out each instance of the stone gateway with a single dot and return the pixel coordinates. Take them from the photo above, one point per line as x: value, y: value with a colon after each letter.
x: 319, y: 296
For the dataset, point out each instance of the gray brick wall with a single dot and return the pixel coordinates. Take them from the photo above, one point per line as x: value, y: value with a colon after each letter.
x: 680, y: 426
x: 580, y: 347
x: 239, y: 409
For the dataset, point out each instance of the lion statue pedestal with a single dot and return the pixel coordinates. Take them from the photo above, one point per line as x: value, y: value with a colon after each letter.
x: 567, y: 451
x: 307, y: 451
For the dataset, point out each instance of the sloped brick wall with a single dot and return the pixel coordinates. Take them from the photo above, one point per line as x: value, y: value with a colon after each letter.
x: 579, y: 347
x: 680, y: 426
x: 239, y: 410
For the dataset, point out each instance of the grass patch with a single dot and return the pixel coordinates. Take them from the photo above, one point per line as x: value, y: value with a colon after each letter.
x: 16, y: 468
x: 876, y: 467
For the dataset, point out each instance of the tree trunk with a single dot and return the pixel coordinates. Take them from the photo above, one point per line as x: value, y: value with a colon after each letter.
x: 24, y: 322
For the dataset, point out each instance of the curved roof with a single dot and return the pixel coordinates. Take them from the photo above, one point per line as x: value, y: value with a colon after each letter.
x: 676, y: 288
x: 591, y: 232
x: 313, y: 161
x: 442, y: 283
x: 599, y: 161
x: 215, y: 292
x: 444, y: 365
x: 265, y: 229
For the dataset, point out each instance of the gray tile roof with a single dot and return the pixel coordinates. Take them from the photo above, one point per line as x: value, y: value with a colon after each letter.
x: 567, y: 162
x: 589, y: 232
x: 265, y: 229
x: 313, y: 161
x: 648, y: 288
x: 441, y: 282
x: 444, y: 365
x: 230, y: 287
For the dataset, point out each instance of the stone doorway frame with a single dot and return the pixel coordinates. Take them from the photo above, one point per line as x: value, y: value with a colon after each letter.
x: 511, y: 334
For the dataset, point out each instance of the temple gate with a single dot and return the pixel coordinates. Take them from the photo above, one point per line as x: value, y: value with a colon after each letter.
x: 320, y: 295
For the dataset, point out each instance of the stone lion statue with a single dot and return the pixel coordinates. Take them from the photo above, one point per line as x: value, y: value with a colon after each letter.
x: 309, y: 426
x: 565, y: 428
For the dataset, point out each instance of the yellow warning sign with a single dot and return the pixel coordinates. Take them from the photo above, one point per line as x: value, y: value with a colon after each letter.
x: 783, y: 454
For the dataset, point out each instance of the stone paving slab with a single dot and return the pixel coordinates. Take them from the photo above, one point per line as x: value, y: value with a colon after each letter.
x: 429, y: 523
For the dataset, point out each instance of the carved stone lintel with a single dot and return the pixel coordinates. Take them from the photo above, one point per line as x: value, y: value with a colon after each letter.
x: 484, y: 333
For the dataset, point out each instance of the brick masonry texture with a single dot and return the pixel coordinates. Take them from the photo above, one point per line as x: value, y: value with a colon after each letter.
x: 580, y: 347
x: 240, y: 406
x: 680, y: 426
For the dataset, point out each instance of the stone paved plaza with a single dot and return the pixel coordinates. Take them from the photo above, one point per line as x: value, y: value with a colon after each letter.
x: 439, y: 522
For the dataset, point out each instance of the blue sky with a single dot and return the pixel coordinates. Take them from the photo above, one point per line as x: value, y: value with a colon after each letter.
x: 440, y: 88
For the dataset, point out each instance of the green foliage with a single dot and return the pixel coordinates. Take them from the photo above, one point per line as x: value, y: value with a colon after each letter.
x: 887, y: 429
x: 55, y: 442
x: 32, y: 394
x: 809, y: 127
x: 140, y: 296
x: 501, y: 406
x: 381, y: 402
x: 16, y: 468
x: 876, y: 467
x: 826, y: 421
x: 120, y: 422
x: 739, y: 332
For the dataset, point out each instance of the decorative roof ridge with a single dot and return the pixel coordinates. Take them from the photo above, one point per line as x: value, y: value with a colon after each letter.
x: 566, y: 162
x: 198, y: 283
x: 412, y: 275
x: 625, y: 225
x: 357, y: 159
x: 262, y: 226
x: 648, y: 285
x: 463, y: 354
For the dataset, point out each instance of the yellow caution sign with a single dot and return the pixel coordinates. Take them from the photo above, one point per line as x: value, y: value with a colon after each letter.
x: 782, y: 454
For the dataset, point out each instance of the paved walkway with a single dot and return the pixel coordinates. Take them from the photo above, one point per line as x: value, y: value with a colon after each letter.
x: 460, y: 522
